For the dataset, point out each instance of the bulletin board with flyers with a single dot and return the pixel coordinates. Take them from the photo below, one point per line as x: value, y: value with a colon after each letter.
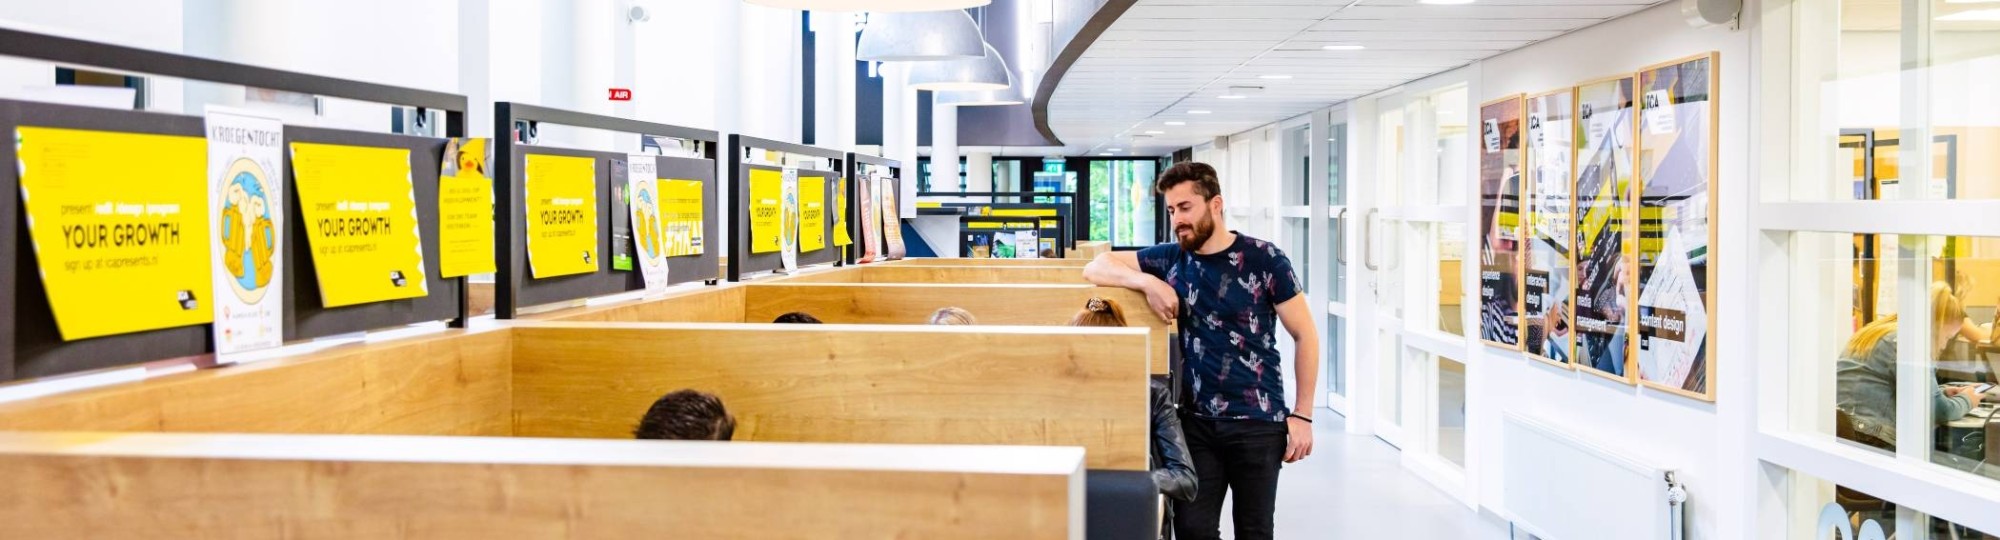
x: 861, y: 167
x: 120, y: 265
x: 522, y: 280
x: 765, y: 214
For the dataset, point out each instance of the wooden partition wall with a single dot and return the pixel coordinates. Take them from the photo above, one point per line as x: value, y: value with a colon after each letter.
x: 909, y: 273
x: 961, y: 261
x: 1088, y: 250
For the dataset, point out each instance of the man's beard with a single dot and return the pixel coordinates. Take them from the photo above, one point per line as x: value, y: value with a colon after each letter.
x: 1202, y: 230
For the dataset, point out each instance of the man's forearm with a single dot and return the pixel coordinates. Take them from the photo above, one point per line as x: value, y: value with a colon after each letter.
x: 1305, y: 364
x: 1110, y: 274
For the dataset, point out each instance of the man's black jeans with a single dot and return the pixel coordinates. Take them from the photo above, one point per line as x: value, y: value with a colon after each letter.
x: 1232, y: 455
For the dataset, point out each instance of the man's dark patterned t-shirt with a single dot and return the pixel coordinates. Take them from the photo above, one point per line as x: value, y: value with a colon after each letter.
x: 1228, y: 325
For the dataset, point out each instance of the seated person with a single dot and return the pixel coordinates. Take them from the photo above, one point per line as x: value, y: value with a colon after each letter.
x: 796, y: 317
x: 1173, y: 469
x: 687, y: 415
x: 1866, y: 374
x: 952, y: 316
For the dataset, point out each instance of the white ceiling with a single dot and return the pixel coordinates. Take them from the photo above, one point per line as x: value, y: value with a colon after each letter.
x: 1166, y: 57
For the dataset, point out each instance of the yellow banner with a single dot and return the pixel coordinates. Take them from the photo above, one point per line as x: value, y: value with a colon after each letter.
x: 840, y: 223
x: 1023, y: 212
x: 465, y: 211
x: 766, y: 188
x: 681, y: 208
x: 118, y: 222
x: 562, y: 215
x: 812, y: 213
x: 361, y: 218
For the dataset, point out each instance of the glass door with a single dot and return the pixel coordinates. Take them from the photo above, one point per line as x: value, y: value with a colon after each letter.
x: 1123, y: 210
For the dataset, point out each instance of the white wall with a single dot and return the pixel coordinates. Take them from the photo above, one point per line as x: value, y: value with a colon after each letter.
x: 143, y: 24
x: 1707, y: 442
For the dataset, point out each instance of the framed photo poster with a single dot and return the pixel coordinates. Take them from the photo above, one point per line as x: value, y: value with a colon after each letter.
x: 1606, y: 126
x: 1500, y: 164
x: 1676, y: 233
x: 1549, y: 334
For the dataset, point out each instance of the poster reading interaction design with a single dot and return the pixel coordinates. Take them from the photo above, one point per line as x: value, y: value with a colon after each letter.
x: 812, y: 213
x: 117, y: 221
x: 1605, y: 125
x: 681, y: 208
x: 361, y: 220
x: 465, y: 209
x: 1676, y: 170
x: 1500, y: 222
x: 562, y: 215
x: 1546, y: 303
x: 246, y: 201
x: 766, y: 188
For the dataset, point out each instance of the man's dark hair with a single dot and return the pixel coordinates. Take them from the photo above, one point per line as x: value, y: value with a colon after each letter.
x: 1206, y: 183
x: 687, y: 415
x: 796, y: 317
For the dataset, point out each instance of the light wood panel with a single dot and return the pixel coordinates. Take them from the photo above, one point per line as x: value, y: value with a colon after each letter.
x: 1088, y: 250
x: 118, y: 486
x: 847, y: 383
x: 991, y: 304
x: 455, y: 383
x: 719, y: 303
x: 959, y: 275
x: 931, y: 261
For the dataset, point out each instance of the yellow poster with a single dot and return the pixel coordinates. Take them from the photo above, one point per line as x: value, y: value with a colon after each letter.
x: 812, y: 213
x: 681, y: 208
x: 562, y: 215
x: 465, y: 210
x: 361, y: 222
x: 118, y: 224
x: 766, y: 233
x: 840, y: 223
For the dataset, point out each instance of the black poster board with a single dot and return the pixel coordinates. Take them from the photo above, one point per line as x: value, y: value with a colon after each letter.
x: 741, y: 261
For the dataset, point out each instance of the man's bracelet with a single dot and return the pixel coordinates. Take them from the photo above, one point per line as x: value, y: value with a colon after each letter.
x: 1295, y: 415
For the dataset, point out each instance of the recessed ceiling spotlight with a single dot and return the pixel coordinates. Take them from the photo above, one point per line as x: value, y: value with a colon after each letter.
x: 1103, y: 153
x: 1344, y: 47
x: 1274, y: 77
x: 1176, y: 123
x: 1199, y: 111
x: 1155, y: 132
x: 1114, y: 150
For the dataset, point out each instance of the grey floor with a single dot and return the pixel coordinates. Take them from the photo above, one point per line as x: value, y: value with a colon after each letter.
x: 1355, y: 487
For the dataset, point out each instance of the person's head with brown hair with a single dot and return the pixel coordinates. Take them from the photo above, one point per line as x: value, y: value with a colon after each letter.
x: 1192, y: 194
x: 1947, y: 314
x: 1099, y: 312
x: 687, y: 415
x: 796, y: 317
x: 952, y: 316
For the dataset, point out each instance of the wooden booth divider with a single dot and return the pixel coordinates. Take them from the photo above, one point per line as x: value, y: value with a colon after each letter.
x: 962, y: 261
x: 1088, y: 250
x: 906, y: 273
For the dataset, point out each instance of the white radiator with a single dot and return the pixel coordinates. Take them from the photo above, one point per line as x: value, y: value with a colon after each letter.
x: 1559, y: 486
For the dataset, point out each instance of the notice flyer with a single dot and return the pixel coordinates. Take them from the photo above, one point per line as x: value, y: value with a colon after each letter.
x: 871, y: 237
x: 465, y: 209
x: 788, y: 221
x: 767, y: 189
x: 562, y: 215
x: 361, y: 222
x: 812, y: 213
x: 118, y: 222
x: 642, y: 187
x: 246, y: 219
x: 681, y: 207
x: 892, y: 225
x: 841, y: 237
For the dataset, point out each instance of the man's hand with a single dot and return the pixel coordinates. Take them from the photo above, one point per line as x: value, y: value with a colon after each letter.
x: 1165, y: 301
x: 1301, y: 444
x: 1970, y: 393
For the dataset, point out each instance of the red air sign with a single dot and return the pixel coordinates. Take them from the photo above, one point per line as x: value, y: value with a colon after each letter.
x: 621, y: 94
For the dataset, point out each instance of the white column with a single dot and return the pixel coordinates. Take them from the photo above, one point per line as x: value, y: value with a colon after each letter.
x: 833, y: 87
x: 944, y: 147
x: 979, y: 171
x: 728, y: 97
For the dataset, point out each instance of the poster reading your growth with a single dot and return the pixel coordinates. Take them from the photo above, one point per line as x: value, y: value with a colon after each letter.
x: 1603, y: 209
x: 1500, y: 224
x: 361, y: 219
x: 1676, y: 167
x: 812, y: 213
x: 118, y: 225
x: 562, y: 215
x: 1545, y: 302
x: 767, y: 187
x: 465, y: 209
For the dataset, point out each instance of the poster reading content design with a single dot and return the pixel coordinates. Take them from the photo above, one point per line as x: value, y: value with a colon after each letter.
x: 361, y: 218
x: 117, y: 221
x: 465, y: 210
x: 681, y: 207
x: 246, y: 204
x: 892, y: 223
x: 1603, y: 208
x: 1546, y: 301
x: 767, y: 189
x: 1676, y: 168
x: 1500, y: 225
x: 562, y: 215
x: 812, y: 213
x: 642, y: 188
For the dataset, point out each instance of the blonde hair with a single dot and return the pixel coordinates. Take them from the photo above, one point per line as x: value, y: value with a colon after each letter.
x: 952, y: 316
x: 1946, y: 309
x: 1098, y: 312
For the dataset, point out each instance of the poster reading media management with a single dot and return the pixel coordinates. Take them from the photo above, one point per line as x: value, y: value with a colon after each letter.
x: 1546, y: 284
x: 118, y: 222
x: 1676, y: 172
x: 1605, y: 127
x: 1500, y: 226
x: 246, y: 203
